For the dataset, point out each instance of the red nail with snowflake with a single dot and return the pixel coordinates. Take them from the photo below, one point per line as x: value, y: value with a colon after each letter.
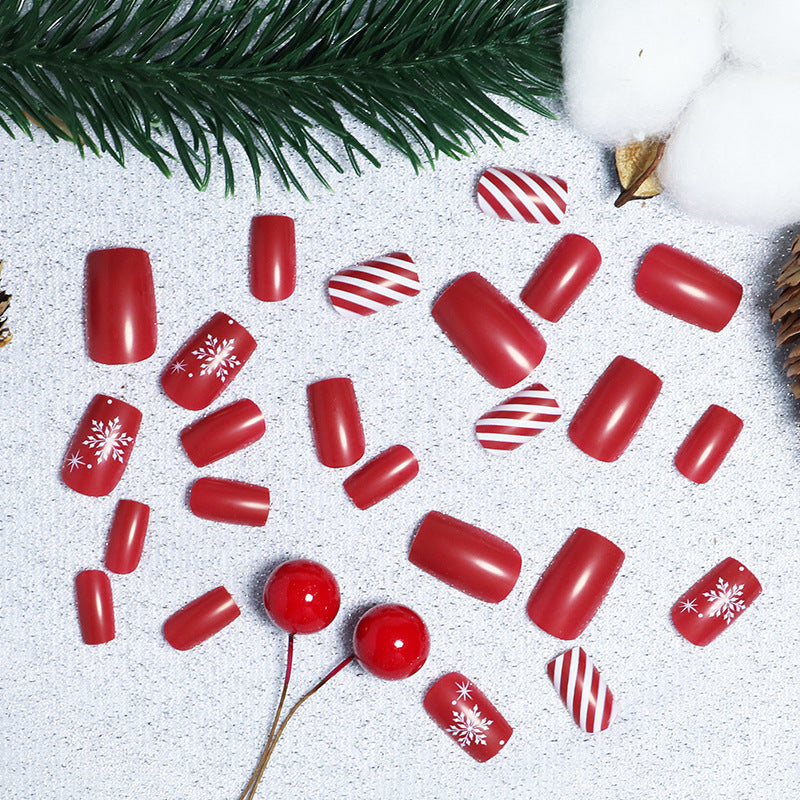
x: 715, y: 601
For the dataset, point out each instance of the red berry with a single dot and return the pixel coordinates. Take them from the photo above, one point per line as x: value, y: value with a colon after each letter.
x: 301, y: 596
x: 391, y: 641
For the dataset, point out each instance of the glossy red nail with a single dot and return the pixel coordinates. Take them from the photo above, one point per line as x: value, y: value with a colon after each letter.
x: 464, y: 712
x: 223, y: 500
x: 335, y: 422
x: 575, y: 583
x: 223, y: 432
x: 206, y: 364
x: 561, y: 277
x: 466, y: 557
x: 120, y: 306
x: 126, y: 536
x: 95, y: 606
x: 488, y: 330
x: 201, y: 619
x: 614, y: 410
x: 715, y: 601
x: 687, y: 288
x: 101, y: 446
x: 707, y: 444
x: 273, y: 261
x: 382, y: 476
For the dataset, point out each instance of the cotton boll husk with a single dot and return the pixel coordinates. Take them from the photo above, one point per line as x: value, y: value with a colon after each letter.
x: 630, y: 66
x: 763, y: 32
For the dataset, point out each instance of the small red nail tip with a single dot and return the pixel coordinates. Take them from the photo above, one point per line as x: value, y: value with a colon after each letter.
x: 466, y: 557
x: 464, y: 712
x: 715, y: 601
x: 391, y: 641
x: 223, y: 432
x: 201, y: 619
x: 95, y: 606
x: 335, y: 422
x: 273, y: 260
x: 207, y: 363
x: 519, y: 196
x: 120, y: 306
x: 563, y: 275
x: 489, y: 330
x: 614, y: 410
x: 101, y: 446
x: 382, y: 476
x: 707, y: 444
x: 222, y: 500
x: 687, y: 288
x: 126, y: 536
x: 574, y: 585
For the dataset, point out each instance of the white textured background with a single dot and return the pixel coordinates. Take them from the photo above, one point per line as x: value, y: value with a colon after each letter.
x: 137, y: 719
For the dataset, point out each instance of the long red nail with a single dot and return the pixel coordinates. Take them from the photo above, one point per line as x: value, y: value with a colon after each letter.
x: 206, y: 364
x: 466, y: 557
x: 464, y: 712
x: 201, y: 619
x: 707, y: 444
x: 120, y: 306
x: 687, y: 288
x: 488, y: 330
x: 519, y: 196
x: 273, y: 260
x: 383, y: 475
x: 575, y: 583
x: 227, y: 430
x: 222, y: 500
x: 126, y: 536
x: 561, y: 277
x: 335, y: 422
x: 95, y: 606
x: 101, y: 446
x: 614, y: 410
x: 715, y: 601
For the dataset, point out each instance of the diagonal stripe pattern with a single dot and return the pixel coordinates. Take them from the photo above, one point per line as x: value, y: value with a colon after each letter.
x: 519, y: 196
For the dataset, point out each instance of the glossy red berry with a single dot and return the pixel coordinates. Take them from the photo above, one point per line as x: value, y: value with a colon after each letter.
x: 391, y: 641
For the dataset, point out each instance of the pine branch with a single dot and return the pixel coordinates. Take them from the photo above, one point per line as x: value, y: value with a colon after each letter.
x: 182, y: 83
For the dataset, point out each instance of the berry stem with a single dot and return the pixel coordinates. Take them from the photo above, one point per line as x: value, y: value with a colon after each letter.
x: 630, y: 193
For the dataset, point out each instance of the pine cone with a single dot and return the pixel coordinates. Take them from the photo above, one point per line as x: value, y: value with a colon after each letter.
x: 786, y: 310
x: 5, y: 301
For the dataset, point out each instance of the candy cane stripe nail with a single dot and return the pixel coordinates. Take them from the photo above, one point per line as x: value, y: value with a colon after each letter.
x: 582, y: 689
x: 519, y: 196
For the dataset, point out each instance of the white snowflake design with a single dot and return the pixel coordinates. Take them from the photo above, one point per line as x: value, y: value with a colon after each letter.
x: 463, y: 691
x: 469, y: 727
x: 688, y: 605
x: 108, y: 440
x: 217, y: 357
x: 75, y: 461
x: 178, y: 366
x: 726, y: 600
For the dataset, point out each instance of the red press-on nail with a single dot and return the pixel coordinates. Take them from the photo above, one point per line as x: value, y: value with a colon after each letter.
x: 227, y: 430
x: 273, y: 260
x: 335, y: 422
x: 707, y: 444
x: 120, y: 306
x: 95, y: 606
x: 206, y: 364
x: 222, y: 500
x: 464, y: 712
x: 575, y: 583
x: 687, y: 288
x: 488, y: 330
x: 715, y: 601
x: 465, y: 557
x: 614, y: 410
x: 126, y: 536
x: 519, y: 196
x: 101, y: 446
x: 382, y: 476
x: 201, y: 619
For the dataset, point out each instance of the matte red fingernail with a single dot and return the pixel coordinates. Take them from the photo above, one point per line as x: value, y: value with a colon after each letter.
x: 223, y: 432
x: 707, y: 443
x: 273, y: 261
x: 466, y: 557
x: 206, y: 364
x: 687, y: 288
x: 575, y: 583
x: 335, y: 422
x: 488, y: 330
x: 223, y: 500
x: 561, y: 277
x: 120, y: 306
x: 464, y: 712
x: 101, y: 446
x: 201, y: 619
x: 715, y: 601
x: 382, y: 476
x: 126, y: 536
x: 95, y: 606
x: 614, y: 410
x: 520, y: 196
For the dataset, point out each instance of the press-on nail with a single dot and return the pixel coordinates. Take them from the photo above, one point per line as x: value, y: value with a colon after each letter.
x: 519, y: 196
x: 222, y: 500
x: 382, y: 476
x: 201, y: 619
x: 126, y: 536
x: 335, y: 422
x: 95, y: 606
x: 222, y: 433
x: 707, y: 444
x: 272, y: 257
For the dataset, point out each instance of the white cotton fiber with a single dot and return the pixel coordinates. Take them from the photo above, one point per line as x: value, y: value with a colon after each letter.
x: 763, y: 32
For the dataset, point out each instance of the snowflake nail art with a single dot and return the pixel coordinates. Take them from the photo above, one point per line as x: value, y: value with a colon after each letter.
x: 216, y: 357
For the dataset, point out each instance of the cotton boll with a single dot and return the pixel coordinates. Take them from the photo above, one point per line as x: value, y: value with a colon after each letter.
x: 763, y: 32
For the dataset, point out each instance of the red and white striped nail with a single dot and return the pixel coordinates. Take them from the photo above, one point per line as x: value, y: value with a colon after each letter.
x: 519, y: 196
x: 372, y: 285
x: 583, y: 690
